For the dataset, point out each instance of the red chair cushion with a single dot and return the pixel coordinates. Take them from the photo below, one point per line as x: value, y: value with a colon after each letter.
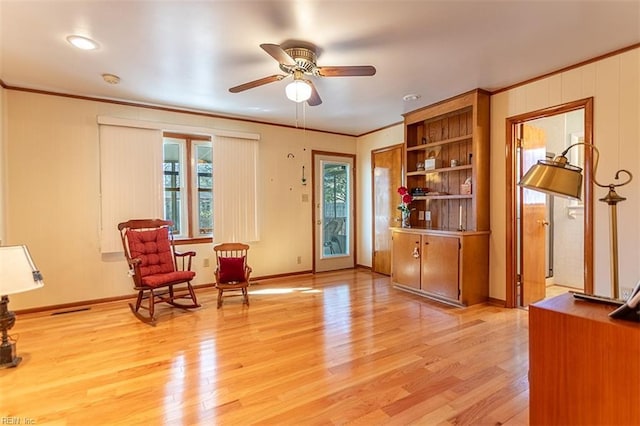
x: 152, y: 247
x: 231, y: 269
x: 168, y: 278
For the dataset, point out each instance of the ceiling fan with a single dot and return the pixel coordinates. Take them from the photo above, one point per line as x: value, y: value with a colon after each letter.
x: 300, y: 61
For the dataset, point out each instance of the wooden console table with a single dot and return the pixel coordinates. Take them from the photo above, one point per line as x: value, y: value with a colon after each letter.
x: 584, y: 367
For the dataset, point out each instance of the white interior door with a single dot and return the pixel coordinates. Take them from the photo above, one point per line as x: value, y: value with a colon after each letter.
x: 333, y: 212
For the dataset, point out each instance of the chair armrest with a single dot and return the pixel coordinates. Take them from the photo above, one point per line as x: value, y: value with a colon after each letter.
x: 134, y: 270
x: 247, y: 272
x: 134, y: 262
x: 185, y: 259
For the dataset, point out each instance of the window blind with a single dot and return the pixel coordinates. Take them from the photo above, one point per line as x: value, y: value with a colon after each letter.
x: 130, y: 179
x: 235, y: 189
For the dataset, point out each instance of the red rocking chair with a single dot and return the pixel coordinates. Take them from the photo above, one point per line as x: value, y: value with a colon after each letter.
x: 156, y: 268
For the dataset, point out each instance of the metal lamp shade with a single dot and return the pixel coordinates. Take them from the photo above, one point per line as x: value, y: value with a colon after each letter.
x: 554, y: 178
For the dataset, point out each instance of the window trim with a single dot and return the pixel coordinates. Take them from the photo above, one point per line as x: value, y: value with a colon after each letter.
x: 189, y: 187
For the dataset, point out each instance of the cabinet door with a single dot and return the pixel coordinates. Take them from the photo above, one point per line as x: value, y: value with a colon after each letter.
x: 406, y: 259
x: 440, y: 265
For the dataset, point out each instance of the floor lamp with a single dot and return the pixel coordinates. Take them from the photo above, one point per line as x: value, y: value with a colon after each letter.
x: 559, y: 177
x: 17, y: 274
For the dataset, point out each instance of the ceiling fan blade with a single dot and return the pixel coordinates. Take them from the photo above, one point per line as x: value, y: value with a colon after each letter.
x: 314, y: 100
x: 278, y: 54
x: 256, y: 83
x: 349, y: 71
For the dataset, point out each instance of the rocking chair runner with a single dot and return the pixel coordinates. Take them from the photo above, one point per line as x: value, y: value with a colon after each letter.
x: 154, y: 264
x: 232, y: 271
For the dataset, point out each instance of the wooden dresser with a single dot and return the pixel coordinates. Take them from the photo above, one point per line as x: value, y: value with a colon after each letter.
x: 584, y: 366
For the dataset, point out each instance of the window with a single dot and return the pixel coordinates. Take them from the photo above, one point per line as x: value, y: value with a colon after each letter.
x: 188, y: 184
x: 150, y: 169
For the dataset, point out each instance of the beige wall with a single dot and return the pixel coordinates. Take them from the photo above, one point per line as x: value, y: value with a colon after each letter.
x: 615, y: 85
x: 3, y: 178
x: 52, y: 181
x: 53, y: 194
x: 387, y: 137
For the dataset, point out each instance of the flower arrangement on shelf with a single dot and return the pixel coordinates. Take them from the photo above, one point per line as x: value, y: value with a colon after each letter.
x: 405, y: 200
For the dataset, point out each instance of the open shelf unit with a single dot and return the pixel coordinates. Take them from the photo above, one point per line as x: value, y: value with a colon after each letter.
x: 455, y: 134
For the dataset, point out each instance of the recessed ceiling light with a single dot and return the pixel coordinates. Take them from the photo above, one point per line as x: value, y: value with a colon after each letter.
x: 411, y: 97
x: 81, y: 42
x: 111, y: 78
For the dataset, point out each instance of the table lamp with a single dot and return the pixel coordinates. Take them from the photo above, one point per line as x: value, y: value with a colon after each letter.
x: 17, y: 274
x: 559, y: 177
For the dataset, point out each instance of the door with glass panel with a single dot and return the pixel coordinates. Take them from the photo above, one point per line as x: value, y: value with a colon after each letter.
x: 334, y: 205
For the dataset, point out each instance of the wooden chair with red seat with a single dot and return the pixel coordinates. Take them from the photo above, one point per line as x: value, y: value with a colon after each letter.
x: 232, y: 271
x: 159, y: 272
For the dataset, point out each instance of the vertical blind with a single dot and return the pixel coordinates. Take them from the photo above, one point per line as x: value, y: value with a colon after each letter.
x: 131, y: 184
x: 235, y: 189
x: 130, y: 179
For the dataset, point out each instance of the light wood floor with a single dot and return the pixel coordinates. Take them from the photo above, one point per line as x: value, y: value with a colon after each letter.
x: 334, y: 348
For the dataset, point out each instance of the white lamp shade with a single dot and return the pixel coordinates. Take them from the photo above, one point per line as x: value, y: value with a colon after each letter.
x: 298, y: 90
x: 17, y: 271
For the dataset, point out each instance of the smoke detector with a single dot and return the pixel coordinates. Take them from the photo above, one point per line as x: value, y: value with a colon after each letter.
x: 111, y: 78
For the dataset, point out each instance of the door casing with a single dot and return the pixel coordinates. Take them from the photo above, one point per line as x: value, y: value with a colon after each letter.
x: 511, y: 188
x: 314, y: 155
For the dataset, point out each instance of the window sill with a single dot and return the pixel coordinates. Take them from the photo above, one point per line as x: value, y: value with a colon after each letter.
x: 199, y: 240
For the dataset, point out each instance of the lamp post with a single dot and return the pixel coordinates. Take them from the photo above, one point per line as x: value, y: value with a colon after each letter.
x: 559, y: 177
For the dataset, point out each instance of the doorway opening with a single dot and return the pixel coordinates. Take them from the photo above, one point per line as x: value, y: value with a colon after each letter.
x: 549, y: 239
x: 334, y: 211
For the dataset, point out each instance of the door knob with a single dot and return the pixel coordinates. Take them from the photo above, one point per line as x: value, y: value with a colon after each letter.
x: 543, y: 222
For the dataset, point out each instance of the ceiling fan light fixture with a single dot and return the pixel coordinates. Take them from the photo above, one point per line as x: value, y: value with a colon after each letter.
x: 298, y: 90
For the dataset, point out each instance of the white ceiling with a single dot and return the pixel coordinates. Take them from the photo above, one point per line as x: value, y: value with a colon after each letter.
x: 187, y: 54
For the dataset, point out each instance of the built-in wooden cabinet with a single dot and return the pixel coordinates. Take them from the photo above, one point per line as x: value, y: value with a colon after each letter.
x: 445, y: 253
x: 452, y: 267
x: 439, y: 250
x: 406, y: 263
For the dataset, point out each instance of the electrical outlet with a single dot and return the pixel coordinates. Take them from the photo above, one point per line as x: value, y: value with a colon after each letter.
x: 420, y: 215
x: 625, y: 292
x: 299, y: 260
x: 427, y: 215
x: 206, y: 262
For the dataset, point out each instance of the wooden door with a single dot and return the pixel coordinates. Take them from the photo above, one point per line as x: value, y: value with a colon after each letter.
x: 386, y: 169
x: 441, y: 265
x: 533, y: 208
x: 406, y: 259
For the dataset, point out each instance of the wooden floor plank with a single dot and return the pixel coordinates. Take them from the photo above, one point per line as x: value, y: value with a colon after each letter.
x: 332, y: 348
